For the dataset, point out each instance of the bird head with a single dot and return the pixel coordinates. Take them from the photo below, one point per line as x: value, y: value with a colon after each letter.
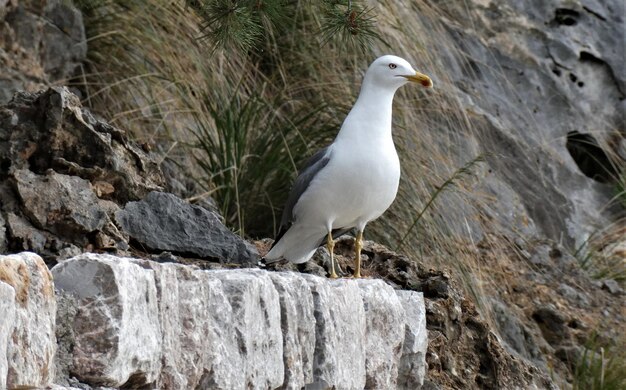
x: 393, y: 72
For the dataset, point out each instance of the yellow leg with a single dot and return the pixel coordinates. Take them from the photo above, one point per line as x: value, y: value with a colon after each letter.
x: 330, y: 244
x: 358, y: 245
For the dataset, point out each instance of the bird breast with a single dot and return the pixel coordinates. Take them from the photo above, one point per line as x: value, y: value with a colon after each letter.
x: 363, y: 185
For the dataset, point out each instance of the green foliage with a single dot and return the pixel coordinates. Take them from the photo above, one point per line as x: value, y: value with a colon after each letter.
x: 354, y: 26
x: 239, y: 24
x: 245, y: 25
x: 601, y: 368
x: 250, y: 152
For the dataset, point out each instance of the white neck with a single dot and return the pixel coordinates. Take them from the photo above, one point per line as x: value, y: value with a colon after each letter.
x: 370, y: 117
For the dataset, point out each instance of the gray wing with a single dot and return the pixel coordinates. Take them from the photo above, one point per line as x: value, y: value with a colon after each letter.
x: 312, y: 167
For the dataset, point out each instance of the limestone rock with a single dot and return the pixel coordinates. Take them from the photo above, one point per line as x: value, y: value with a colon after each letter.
x: 385, y: 333
x: 67, y: 308
x: 412, y: 368
x: 117, y: 332
x: 62, y: 204
x: 7, y: 313
x: 256, y: 322
x: 298, y: 328
x: 31, y: 345
x: 165, y: 222
x: 200, y: 347
x: 340, y: 328
x: 170, y: 326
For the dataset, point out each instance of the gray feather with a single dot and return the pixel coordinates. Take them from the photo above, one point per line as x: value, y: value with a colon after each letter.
x: 311, y: 168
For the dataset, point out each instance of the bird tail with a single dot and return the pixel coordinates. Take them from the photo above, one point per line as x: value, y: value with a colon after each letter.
x: 297, y: 244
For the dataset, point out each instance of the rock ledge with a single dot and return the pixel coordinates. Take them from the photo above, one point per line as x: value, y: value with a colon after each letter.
x: 137, y: 323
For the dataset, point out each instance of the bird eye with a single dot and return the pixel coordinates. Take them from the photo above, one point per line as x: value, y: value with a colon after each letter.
x: 392, y: 66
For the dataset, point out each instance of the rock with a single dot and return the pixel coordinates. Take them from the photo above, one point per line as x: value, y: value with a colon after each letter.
x: 64, y: 42
x: 32, y: 344
x: 541, y: 256
x: 612, y: 286
x: 552, y: 324
x: 64, y: 174
x: 506, y: 62
x: 59, y: 387
x: 385, y: 328
x: 571, y: 355
x: 298, y: 328
x: 165, y: 222
x: 412, y: 369
x: 200, y: 346
x: 42, y: 43
x: 3, y: 236
x: 573, y: 295
x: 54, y: 131
x: 514, y: 334
x: 7, y: 313
x: 257, y: 324
x: 173, y: 326
x: 340, y: 325
x: 67, y: 308
x: 3, y: 8
x: 24, y: 236
x: 64, y: 205
x: 435, y: 287
x: 117, y: 333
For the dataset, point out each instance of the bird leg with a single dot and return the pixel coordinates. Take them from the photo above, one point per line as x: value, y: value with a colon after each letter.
x: 330, y: 244
x: 358, y: 245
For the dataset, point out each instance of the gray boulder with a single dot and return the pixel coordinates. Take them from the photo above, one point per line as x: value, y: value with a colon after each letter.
x: 165, y: 222
x: 61, y: 204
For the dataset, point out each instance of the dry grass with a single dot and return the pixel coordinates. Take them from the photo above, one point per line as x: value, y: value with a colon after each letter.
x: 145, y: 64
x: 604, y: 254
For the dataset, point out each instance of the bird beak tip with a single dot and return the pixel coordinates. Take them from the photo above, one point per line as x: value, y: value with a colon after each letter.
x: 421, y: 78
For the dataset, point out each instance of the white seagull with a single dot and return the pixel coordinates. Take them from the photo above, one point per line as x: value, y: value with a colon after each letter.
x: 352, y: 181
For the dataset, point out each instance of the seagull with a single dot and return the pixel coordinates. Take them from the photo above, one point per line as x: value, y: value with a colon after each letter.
x: 353, y: 180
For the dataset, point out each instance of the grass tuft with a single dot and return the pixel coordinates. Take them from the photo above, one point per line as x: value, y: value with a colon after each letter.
x: 250, y: 151
x: 603, y: 254
x: 600, y: 367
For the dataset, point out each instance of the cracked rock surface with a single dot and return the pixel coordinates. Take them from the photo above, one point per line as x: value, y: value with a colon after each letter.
x: 133, y: 323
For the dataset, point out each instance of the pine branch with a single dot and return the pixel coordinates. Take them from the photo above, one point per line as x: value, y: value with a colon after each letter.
x: 353, y: 25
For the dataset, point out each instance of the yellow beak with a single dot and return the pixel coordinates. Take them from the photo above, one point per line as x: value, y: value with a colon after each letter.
x: 420, y: 78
